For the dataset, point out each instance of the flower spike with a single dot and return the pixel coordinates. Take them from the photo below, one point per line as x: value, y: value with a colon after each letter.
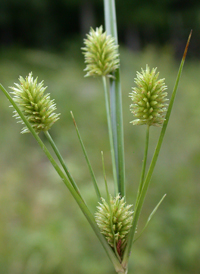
x: 101, y: 53
x: 35, y: 105
x: 149, y: 98
x: 114, y: 221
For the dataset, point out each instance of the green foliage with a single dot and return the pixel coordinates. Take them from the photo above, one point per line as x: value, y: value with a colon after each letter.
x: 40, y: 222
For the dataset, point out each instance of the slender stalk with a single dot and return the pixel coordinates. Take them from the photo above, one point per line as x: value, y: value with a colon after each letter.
x: 74, y: 193
x: 144, y: 162
x: 116, y: 101
x: 153, y: 162
x: 87, y: 160
x: 61, y: 160
x: 105, y: 180
x: 110, y: 131
x: 150, y: 217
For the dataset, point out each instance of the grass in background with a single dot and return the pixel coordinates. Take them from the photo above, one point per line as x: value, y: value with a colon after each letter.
x: 39, y: 231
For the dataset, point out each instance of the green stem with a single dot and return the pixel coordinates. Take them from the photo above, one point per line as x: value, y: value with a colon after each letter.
x: 110, y: 18
x: 87, y: 160
x: 116, y: 101
x: 61, y: 160
x: 105, y: 180
x: 153, y: 163
x: 144, y: 163
x: 110, y: 134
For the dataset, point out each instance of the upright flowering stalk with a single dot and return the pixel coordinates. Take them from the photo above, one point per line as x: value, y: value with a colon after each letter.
x: 113, y: 217
x: 102, y: 59
x: 36, y: 106
x: 149, y: 106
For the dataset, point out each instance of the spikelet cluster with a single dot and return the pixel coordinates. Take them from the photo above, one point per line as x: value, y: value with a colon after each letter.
x: 149, y: 98
x: 115, y: 224
x: 101, y: 53
x: 34, y: 104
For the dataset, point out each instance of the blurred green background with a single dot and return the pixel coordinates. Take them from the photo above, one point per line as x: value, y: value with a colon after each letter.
x: 42, y: 230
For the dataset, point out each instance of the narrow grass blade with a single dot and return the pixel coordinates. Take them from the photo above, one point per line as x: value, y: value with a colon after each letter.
x: 87, y: 160
x: 149, y: 218
x: 140, y: 202
x: 61, y: 160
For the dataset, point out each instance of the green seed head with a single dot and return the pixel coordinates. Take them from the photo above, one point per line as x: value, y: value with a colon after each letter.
x: 101, y: 53
x: 149, y: 98
x: 114, y: 221
x: 35, y: 105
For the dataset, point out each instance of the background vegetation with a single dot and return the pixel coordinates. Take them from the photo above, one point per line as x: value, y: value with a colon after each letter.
x: 50, y: 24
x: 42, y: 230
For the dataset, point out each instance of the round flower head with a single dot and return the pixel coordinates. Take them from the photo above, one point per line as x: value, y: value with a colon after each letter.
x: 34, y: 104
x: 101, y: 53
x: 149, y: 98
x: 114, y: 221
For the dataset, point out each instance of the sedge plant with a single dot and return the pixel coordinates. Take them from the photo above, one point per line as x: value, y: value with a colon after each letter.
x: 115, y: 220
